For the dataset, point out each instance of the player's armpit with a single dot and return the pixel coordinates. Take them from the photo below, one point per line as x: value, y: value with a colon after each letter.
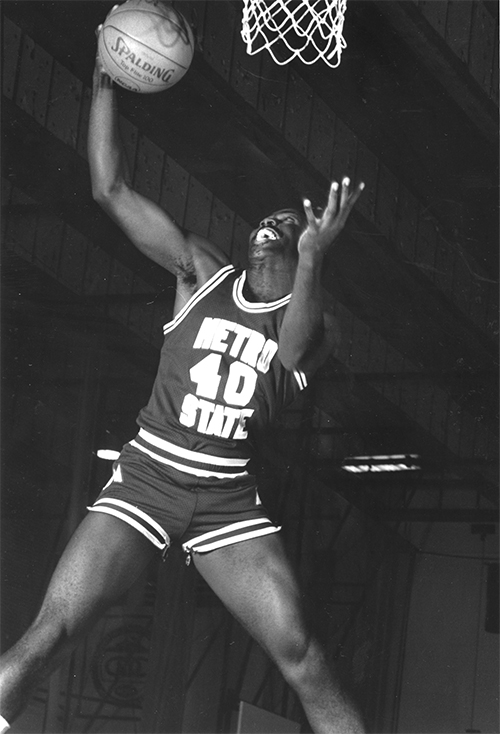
x: 151, y: 229
x: 207, y: 257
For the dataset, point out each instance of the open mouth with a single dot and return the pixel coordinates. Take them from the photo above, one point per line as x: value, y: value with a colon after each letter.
x: 265, y: 234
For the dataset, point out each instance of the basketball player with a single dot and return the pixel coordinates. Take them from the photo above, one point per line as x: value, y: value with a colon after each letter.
x: 239, y: 347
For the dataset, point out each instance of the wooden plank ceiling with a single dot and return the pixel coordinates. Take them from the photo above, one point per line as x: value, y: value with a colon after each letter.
x: 411, y: 111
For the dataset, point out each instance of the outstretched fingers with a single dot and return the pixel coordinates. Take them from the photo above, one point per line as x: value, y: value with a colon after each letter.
x: 333, y: 197
x: 309, y: 212
x: 348, y: 198
x: 341, y: 199
x: 331, y: 220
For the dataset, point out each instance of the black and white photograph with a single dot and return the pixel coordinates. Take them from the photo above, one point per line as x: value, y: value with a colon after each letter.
x: 249, y: 361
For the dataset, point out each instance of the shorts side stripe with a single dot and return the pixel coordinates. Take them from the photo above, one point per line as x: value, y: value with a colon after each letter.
x: 301, y: 379
x: 222, y: 542
x: 227, y: 530
x: 185, y: 467
x: 134, y: 523
x: 133, y: 509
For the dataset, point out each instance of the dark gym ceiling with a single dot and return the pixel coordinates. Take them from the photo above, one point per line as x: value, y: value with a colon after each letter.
x: 412, y: 110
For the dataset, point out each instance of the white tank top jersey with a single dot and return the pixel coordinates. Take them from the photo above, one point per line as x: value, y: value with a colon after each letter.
x: 218, y: 380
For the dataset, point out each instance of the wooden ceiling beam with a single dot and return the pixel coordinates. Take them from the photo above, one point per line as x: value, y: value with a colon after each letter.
x: 435, y: 54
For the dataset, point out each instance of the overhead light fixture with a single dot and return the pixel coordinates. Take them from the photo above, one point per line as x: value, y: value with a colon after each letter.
x: 107, y: 454
x: 381, y: 463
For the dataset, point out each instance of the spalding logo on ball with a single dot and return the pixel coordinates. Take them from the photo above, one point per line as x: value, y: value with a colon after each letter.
x: 146, y: 45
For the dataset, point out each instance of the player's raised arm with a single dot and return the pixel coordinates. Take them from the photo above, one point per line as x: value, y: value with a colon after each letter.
x: 145, y: 223
x: 309, y: 331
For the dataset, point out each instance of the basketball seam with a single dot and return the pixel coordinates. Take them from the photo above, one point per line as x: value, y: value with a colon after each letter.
x: 149, y: 13
x: 154, y: 50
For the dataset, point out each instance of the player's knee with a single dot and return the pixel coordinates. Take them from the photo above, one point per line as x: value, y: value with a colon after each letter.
x: 299, y: 658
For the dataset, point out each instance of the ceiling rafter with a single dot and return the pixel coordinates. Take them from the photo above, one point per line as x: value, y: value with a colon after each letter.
x: 437, y: 56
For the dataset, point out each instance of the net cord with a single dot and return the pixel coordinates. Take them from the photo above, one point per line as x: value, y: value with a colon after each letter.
x: 316, y: 25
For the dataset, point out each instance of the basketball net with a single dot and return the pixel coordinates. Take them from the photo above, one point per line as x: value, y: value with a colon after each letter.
x: 308, y: 29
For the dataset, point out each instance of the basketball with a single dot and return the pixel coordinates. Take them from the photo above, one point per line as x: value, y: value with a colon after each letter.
x: 146, y: 46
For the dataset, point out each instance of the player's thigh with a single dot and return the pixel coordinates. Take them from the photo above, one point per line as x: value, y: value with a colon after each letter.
x: 101, y: 561
x: 257, y: 584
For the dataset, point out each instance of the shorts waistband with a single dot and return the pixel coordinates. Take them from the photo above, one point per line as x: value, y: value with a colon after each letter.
x: 185, y: 460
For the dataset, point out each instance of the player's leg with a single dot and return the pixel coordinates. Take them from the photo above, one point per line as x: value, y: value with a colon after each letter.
x: 256, y: 583
x: 102, y: 560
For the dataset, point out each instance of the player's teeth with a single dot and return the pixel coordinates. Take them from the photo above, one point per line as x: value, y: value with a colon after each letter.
x: 266, y: 234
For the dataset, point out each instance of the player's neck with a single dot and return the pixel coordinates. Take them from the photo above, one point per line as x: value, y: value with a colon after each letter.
x: 268, y: 282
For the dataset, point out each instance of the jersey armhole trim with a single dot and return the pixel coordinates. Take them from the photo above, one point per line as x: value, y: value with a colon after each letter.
x: 211, y: 283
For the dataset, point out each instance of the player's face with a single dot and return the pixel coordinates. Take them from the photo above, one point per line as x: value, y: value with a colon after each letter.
x: 278, y: 232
